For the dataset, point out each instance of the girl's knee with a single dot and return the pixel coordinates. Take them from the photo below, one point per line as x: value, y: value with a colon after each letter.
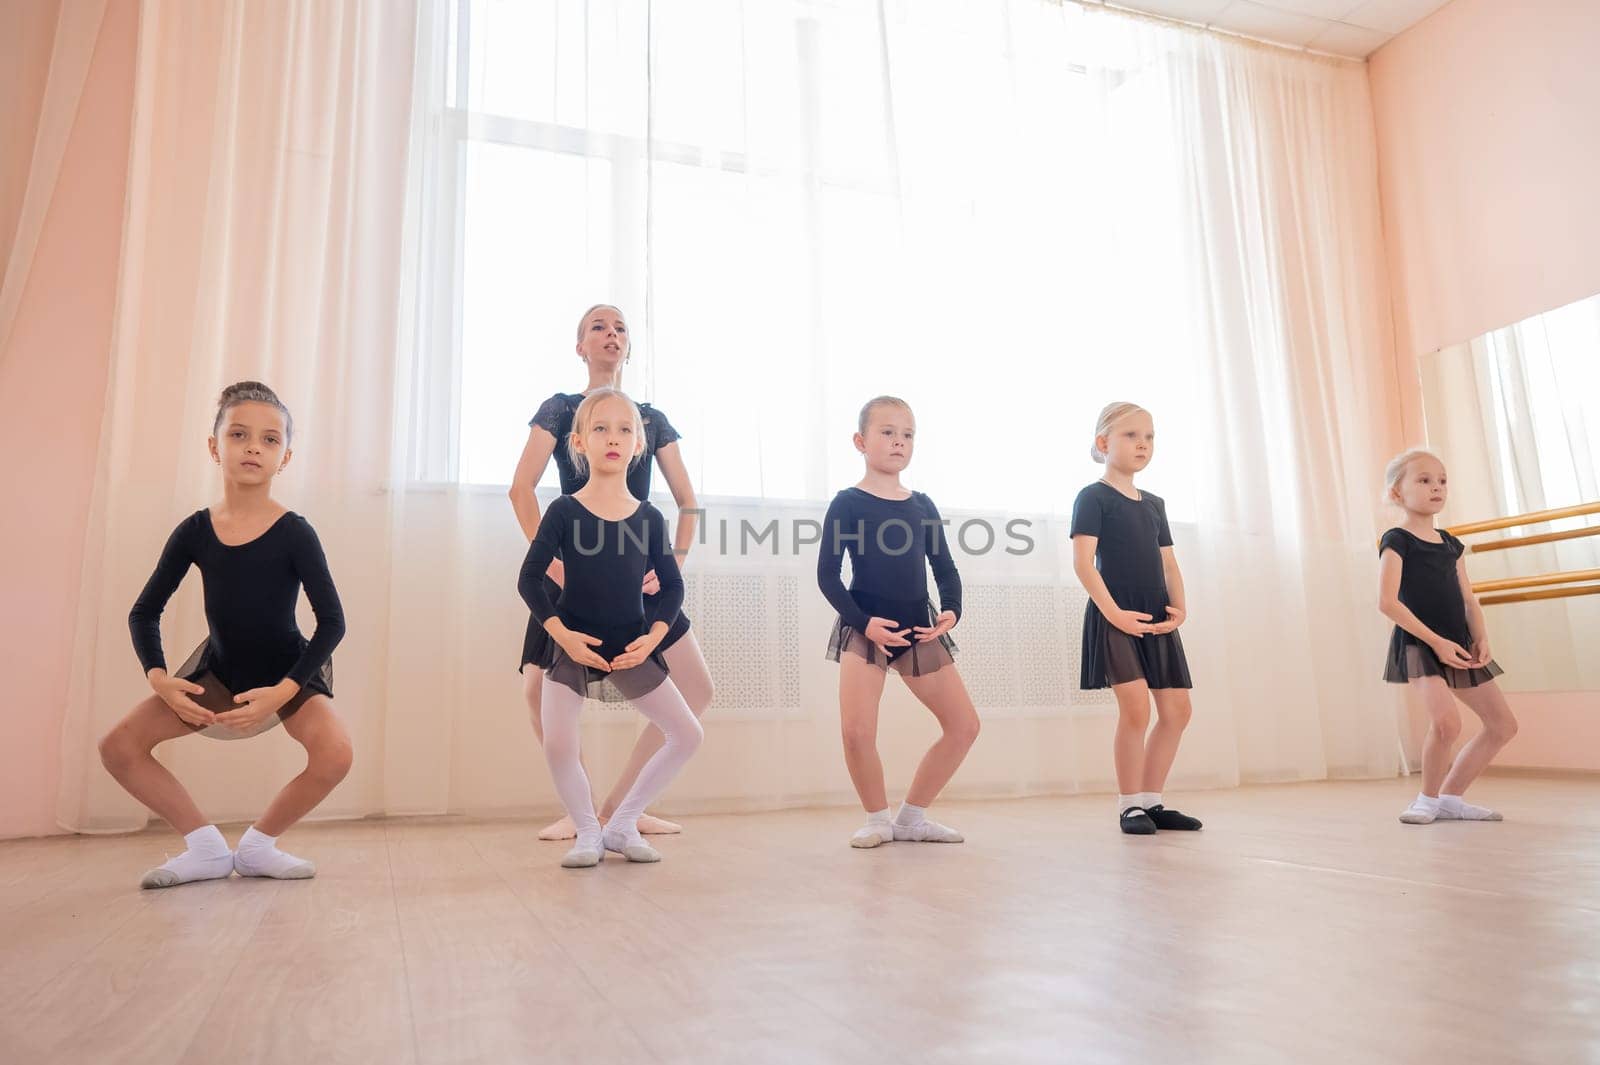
x: 1134, y: 717
x: 859, y: 740
x: 707, y: 693
x: 691, y: 734
x: 561, y: 749
x: 1503, y: 729
x: 1176, y: 713
x: 1447, y: 727
x: 117, y: 750
x: 332, y: 759
x: 965, y: 728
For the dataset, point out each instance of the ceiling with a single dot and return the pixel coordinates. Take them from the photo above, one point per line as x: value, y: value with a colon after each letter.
x: 1354, y: 28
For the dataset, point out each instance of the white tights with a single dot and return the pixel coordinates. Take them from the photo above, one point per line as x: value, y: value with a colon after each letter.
x: 559, y: 709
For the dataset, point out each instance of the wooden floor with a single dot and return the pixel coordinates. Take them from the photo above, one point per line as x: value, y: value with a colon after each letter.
x: 1305, y: 924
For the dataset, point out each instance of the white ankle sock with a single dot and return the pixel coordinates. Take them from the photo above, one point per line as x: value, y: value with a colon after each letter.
x: 1422, y: 811
x: 1428, y: 802
x: 910, y: 815
x: 1125, y: 801
x: 205, y: 857
x: 207, y: 841
x: 258, y: 855
x: 1148, y: 799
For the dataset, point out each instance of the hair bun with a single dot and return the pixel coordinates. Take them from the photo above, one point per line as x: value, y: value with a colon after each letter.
x: 250, y: 392
x: 1096, y: 454
x: 255, y: 389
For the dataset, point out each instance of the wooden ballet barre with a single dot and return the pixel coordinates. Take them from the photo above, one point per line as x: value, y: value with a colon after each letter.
x: 1532, y: 518
x: 1536, y: 538
x: 1540, y: 586
x: 1546, y: 593
x: 1506, y: 584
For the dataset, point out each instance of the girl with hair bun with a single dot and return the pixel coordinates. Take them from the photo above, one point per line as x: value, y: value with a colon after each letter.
x: 254, y: 670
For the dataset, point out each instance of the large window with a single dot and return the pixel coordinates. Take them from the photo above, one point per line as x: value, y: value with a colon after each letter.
x: 800, y: 204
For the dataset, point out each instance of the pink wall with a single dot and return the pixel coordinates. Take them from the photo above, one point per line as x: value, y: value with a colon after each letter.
x: 1488, y: 161
x: 1559, y: 730
x: 1555, y: 730
x: 52, y: 395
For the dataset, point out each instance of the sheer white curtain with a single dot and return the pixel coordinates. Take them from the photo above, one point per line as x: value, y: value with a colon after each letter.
x: 262, y: 239
x: 1007, y: 212
x: 1296, y: 401
x: 1513, y: 412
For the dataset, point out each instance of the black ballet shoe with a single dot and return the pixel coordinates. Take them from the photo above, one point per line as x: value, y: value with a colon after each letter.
x: 1172, y: 820
x: 1135, y: 822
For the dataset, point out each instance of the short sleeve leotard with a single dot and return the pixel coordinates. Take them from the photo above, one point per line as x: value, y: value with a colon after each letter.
x: 1130, y: 534
x: 1430, y: 589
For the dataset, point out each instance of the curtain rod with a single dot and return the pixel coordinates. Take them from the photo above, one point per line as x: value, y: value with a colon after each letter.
x: 1219, y: 31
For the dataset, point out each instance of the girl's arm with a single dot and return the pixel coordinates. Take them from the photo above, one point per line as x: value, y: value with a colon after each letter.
x: 663, y: 559
x: 311, y: 565
x: 670, y: 459
x: 830, y: 561
x: 946, y: 578
x: 1177, y: 602
x: 530, y: 580
x: 1389, y: 566
x: 1128, y: 621
x: 144, y: 620
x: 1476, y: 628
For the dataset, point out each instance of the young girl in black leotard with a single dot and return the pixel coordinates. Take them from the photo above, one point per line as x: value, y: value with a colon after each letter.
x: 1123, y: 555
x: 1439, y: 642
x: 600, y: 628
x: 254, y: 669
x: 886, y: 621
x: 603, y: 345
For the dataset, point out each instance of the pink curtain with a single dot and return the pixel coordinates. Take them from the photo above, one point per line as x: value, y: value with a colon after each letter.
x: 66, y: 81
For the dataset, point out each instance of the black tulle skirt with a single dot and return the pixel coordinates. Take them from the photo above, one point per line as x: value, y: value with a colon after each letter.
x: 1111, y: 656
x: 1409, y: 658
x: 917, y: 660
x: 201, y: 667
x: 588, y: 681
x: 537, y: 646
